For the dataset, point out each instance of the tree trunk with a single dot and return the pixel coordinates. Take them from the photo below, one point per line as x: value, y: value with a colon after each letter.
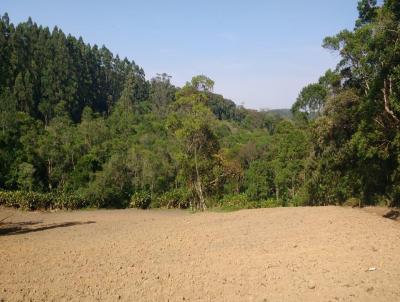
x: 49, y: 172
x: 198, y: 186
x: 293, y: 188
x: 277, y: 193
x: 387, y: 90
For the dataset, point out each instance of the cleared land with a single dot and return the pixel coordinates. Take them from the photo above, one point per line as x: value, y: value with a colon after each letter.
x: 284, y: 254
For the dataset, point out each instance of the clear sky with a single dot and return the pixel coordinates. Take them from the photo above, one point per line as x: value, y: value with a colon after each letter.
x: 260, y: 53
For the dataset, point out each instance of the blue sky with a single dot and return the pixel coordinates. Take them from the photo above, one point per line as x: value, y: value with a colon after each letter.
x: 259, y: 53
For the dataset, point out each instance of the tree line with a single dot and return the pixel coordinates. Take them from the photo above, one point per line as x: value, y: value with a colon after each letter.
x: 354, y: 112
x: 80, y: 122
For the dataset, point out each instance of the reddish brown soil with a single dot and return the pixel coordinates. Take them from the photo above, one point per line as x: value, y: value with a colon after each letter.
x: 284, y: 254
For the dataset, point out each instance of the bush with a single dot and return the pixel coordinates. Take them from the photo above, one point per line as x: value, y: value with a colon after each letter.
x: 271, y: 203
x: 238, y: 201
x: 394, y: 197
x: 35, y: 201
x: 176, y: 198
x: 25, y: 200
x: 301, y: 198
x: 140, y: 200
x: 70, y: 202
x: 242, y: 201
x: 352, y: 202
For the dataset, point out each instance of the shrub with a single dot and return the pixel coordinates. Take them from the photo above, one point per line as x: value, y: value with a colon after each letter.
x: 271, y: 203
x: 176, y: 198
x: 34, y: 201
x: 238, y: 201
x: 301, y: 198
x: 25, y: 200
x: 70, y: 202
x: 394, y: 197
x: 352, y: 202
x: 242, y: 201
x: 140, y: 200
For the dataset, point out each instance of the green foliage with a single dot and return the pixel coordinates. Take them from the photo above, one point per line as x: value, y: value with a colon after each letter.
x: 355, y: 141
x: 25, y: 200
x: 243, y: 201
x: 192, y: 123
x: 271, y: 203
x: 37, y: 201
x: 202, y: 83
x: 237, y: 201
x: 26, y: 173
x: 352, y: 202
x: 140, y: 200
x: 81, y: 127
x: 259, y: 180
x: 77, y: 120
x: 310, y: 100
x: 179, y: 198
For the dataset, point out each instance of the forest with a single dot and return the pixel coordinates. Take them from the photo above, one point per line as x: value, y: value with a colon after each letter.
x: 82, y: 127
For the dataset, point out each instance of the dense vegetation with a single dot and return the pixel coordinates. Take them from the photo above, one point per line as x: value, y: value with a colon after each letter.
x: 82, y: 127
x: 355, y: 133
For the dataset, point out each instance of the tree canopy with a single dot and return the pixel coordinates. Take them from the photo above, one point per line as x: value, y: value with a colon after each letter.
x: 76, y: 120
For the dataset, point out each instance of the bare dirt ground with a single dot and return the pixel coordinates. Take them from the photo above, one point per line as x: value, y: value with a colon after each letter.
x: 289, y: 254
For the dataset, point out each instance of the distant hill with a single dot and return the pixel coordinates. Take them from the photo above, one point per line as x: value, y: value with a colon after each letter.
x: 281, y: 112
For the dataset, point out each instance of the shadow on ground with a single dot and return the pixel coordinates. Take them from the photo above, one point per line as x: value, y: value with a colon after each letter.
x: 392, y: 214
x: 25, y: 227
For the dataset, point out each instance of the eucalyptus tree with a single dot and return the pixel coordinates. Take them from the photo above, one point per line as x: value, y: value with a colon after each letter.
x: 192, y: 123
